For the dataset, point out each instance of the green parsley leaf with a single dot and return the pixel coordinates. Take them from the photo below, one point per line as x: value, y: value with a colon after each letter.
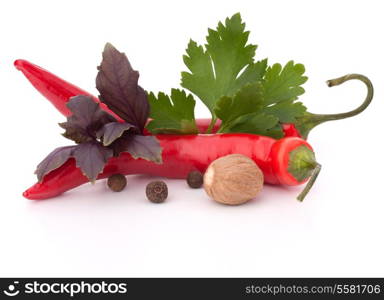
x: 216, y: 70
x: 258, y: 123
x: 286, y: 111
x: 282, y: 84
x: 244, y: 113
x: 172, y: 115
x: 250, y: 111
x: 248, y: 99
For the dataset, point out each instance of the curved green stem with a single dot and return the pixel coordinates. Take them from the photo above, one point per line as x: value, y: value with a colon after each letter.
x: 211, y: 125
x: 362, y: 107
x: 310, y: 182
x: 309, y: 120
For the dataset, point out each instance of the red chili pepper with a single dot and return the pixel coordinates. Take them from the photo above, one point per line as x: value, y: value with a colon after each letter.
x: 55, y: 89
x: 58, y: 92
x: 288, y: 161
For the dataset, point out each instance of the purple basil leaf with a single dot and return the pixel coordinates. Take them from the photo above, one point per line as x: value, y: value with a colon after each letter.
x: 75, y: 133
x: 91, y: 158
x: 119, y: 90
x: 112, y: 131
x: 54, y: 160
x: 86, y: 119
x: 146, y: 147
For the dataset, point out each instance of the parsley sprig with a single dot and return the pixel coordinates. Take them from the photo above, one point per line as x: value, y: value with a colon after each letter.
x: 247, y: 95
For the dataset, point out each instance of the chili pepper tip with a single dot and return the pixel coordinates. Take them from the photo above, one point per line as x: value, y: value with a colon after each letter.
x: 26, y: 194
x: 18, y: 63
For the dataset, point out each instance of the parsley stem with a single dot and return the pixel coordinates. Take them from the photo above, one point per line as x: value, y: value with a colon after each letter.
x: 211, y: 125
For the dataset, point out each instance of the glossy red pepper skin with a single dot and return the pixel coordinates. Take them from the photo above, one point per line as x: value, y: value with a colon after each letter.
x: 55, y: 89
x: 290, y: 129
x: 182, y: 154
x: 59, y: 91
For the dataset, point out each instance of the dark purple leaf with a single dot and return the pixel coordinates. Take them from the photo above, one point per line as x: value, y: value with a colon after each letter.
x: 53, y: 161
x: 118, y: 85
x: 112, y: 131
x: 91, y: 158
x: 75, y: 133
x: 86, y: 119
x: 146, y: 147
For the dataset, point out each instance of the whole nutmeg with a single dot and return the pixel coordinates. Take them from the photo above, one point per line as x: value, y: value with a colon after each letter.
x: 117, y: 182
x: 233, y: 179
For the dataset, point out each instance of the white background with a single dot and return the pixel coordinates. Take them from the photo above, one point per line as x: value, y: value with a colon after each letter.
x: 337, y: 231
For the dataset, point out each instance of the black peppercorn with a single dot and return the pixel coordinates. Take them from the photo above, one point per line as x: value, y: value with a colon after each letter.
x: 117, y: 182
x: 195, y: 179
x: 157, y: 191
